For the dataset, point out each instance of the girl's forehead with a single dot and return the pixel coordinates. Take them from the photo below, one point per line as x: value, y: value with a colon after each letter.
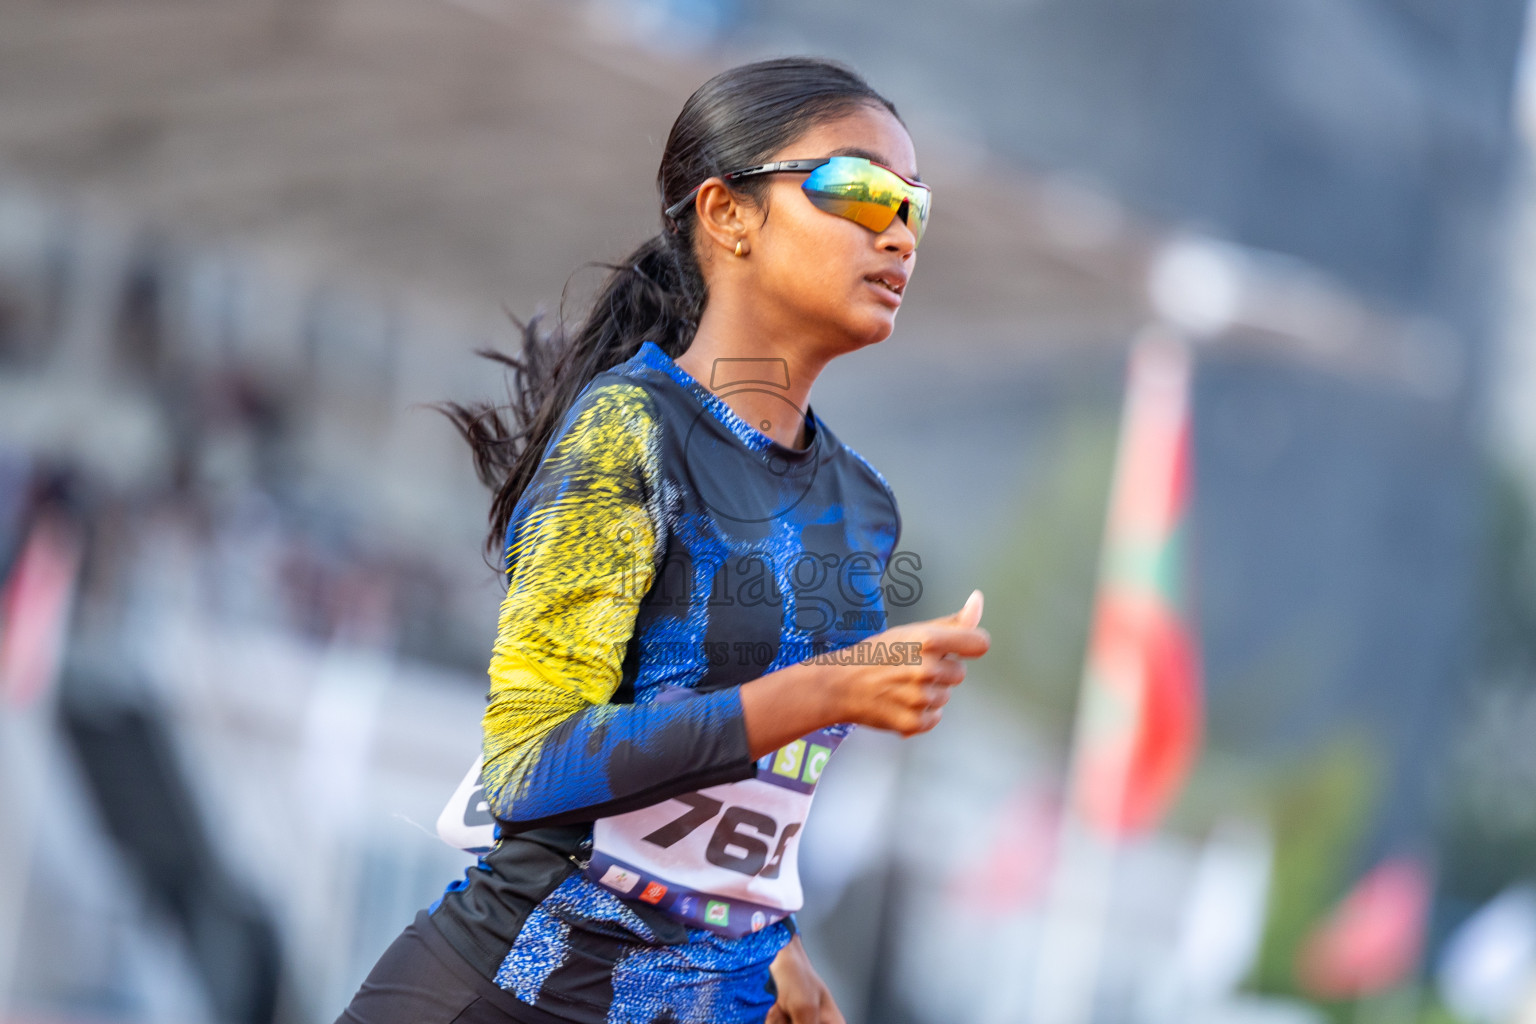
x: 869, y: 132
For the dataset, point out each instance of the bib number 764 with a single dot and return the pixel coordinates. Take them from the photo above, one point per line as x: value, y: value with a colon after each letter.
x: 740, y: 840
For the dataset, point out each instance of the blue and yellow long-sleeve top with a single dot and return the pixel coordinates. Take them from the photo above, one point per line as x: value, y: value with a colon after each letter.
x: 663, y: 543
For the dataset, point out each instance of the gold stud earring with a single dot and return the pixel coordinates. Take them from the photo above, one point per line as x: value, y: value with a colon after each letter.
x: 741, y: 249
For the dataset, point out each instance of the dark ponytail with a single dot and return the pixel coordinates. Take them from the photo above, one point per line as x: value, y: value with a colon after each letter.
x: 736, y: 119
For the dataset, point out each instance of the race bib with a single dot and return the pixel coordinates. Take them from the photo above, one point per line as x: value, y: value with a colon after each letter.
x: 723, y: 858
x: 466, y: 823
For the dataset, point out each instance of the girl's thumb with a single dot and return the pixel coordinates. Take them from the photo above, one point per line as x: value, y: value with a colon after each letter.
x: 969, y: 614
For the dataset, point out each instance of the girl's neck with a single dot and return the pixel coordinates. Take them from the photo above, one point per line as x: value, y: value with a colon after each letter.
x: 767, y: 384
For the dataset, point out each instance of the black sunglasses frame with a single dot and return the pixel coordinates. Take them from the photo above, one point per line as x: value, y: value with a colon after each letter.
x: 778, y: 166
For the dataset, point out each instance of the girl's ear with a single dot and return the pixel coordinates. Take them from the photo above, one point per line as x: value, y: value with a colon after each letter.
x: 722, y: 214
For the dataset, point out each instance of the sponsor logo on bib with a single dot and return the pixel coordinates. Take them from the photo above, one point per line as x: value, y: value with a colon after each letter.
x: 789, y: 759
x: 620, y: 880
x: 653, y: 892
x: 815, y: 761
x: 718, y: 913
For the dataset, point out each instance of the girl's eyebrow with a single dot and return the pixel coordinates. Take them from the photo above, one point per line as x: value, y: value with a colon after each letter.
x: 865, y: 154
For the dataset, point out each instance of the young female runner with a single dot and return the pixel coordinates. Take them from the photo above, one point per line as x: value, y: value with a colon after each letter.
x: 693, y: 617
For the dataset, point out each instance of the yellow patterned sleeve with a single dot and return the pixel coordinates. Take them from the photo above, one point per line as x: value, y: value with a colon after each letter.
x: 582, y: 549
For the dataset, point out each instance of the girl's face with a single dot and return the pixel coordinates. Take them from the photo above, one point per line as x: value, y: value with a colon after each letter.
x: 819, y: 273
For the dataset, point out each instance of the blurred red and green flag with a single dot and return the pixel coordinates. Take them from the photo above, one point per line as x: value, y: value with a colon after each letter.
x: 1140, y: 724
x: 35, y: 604
x: 1370, y: 942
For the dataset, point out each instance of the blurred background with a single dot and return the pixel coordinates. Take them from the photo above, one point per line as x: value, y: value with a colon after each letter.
x: 246, y: 613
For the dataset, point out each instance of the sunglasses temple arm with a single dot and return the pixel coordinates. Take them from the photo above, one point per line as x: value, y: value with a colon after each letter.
x: 676, y: 209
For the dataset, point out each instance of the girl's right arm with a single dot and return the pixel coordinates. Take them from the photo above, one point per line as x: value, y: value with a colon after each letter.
x: 582, y: 551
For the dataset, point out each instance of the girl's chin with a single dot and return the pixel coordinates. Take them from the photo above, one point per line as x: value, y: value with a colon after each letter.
x: 882, y: 323
x: 858, y: 324
x: 873, y: 331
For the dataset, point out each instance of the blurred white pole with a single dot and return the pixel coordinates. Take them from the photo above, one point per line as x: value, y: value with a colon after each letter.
x: 1145, y: 506
x: 1488, y: 966
x: 340, y: 726
x: 1222, y: 927
x: 1072, y: 941
x: 21, y: 758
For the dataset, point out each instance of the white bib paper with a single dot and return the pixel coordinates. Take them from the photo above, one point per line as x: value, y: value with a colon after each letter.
x: 725, y: 857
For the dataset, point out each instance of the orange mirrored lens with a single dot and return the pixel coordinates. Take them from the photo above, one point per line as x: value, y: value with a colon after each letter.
x: 871, y: 215
x: 867, y: 194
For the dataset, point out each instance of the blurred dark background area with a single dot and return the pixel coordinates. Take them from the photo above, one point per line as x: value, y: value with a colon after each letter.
x: 244, y: 244
x: 1370, y: 139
